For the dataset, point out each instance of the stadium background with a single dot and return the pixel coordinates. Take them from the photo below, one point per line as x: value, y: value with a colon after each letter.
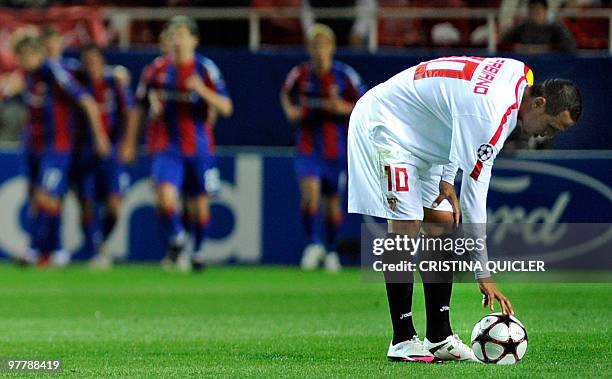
x: 255, y: 143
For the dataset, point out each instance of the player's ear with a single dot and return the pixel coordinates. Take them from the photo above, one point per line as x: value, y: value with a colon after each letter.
x: 539, y: 103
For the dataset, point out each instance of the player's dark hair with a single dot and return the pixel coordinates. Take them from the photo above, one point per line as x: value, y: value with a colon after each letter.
x: 561, y: 95
x: 27, y: 41
x: 185, y: 21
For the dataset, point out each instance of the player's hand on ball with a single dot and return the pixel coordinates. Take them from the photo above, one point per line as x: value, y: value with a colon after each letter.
x: 447, y: 191
x: 490, y: 293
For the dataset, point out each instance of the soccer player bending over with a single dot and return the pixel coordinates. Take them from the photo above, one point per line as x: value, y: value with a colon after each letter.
x: 49, y: 92
x: 407, y: 139
x: 182, y: 93
x: 319, y: 95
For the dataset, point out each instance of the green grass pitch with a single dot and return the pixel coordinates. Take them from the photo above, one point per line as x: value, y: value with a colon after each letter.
x: 140, y: 321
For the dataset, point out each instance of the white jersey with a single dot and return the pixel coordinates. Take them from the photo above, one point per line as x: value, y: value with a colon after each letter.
x: 457, y: 112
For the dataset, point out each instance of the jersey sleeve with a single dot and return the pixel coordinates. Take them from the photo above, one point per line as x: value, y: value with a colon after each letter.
x: 67, y: 82
x: 472, y: 150
x: 473, y: 202
x: 355, y: 87
x: 290, y: 84
x: 216, y: 78
x: 449, y: 172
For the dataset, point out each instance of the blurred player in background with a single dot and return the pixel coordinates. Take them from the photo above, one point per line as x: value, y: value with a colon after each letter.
x: 319, y: 95
x: 456, y: 112
x: 182, y: 92
x: 101, y: 182
x: 53, y: 43
x: 144, y: 94
x: 49, y: 93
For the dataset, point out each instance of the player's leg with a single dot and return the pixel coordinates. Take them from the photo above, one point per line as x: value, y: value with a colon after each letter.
x: 51, y: 187
x: 308, y: 171
x: 201, y: 179
x: 438, y: 286
x: 114, y: 181
x: 168, y: 174
x: 399, y: 294
x: 201, y: 220
x: 31, y: 166
x: 405, y: 345
x: 310, y: 207
x: 87, y: 184
x: 332, y: 186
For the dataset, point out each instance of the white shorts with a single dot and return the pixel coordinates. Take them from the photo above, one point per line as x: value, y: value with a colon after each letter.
x: 385, y: 180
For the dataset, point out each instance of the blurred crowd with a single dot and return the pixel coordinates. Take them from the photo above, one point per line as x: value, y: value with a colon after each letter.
x: 524, y: 26
x: 521, y: 23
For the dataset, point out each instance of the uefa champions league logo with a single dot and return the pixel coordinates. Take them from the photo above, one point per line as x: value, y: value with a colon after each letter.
x: 485, y: 152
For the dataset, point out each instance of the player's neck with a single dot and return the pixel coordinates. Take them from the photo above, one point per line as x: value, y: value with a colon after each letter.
x: 524, y: 101
x: 184, y: 58
x: 322, y: 67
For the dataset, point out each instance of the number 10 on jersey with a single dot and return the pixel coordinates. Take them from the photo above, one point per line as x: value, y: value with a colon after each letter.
x: 397, y: 178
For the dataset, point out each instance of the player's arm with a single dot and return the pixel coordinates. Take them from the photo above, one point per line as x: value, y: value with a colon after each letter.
x: 293, y: 112
x: 101, y: 141
x: 474, y: 205
x: 343, y: 105
x: 127, y: 151
x: 131, y: 117
x: 87, y: 103
x: 215, y: 94
x: 221, y: 103
x: 475, y: 155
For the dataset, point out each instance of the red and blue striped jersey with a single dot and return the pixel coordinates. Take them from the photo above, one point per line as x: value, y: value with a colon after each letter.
x: 322, y: 132
x: 50, y: 95
x: 186, y: 124
x: 145, y: 83
x: 113, y: 99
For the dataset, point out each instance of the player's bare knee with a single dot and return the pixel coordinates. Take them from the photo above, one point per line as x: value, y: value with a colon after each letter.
x: 437, y: 223
x: 404, y: 227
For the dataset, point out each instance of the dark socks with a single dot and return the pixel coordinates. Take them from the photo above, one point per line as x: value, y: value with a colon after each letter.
x: 311, y: 221
x: 332, y: 224
x: 399, y: 296
x: 437, y: 305
x: 438, y: 287
x: 171, y: 225
x: 199, y: 233
x: 108, y: 224
x: 90, y: 231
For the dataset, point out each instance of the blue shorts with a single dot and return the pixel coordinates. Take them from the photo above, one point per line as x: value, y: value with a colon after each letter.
x: 331, y: 173
x: 96, y: 179
x: 190, y: 175
x: 52, y: 175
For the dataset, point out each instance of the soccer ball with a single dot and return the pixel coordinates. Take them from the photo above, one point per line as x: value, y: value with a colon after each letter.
x: 499, y: 339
